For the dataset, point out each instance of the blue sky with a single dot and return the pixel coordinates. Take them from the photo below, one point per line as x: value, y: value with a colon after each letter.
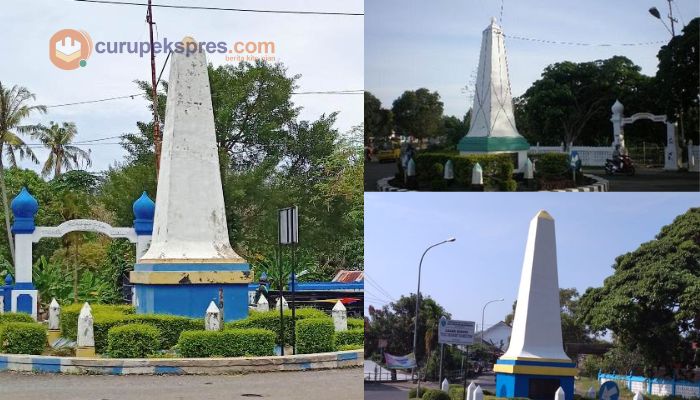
x: 326, y: 50
x: 491, y: 231
x: 435, y: 44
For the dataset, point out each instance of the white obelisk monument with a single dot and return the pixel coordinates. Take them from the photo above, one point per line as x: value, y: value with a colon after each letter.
x: 535, y: 364
x: 492, y: 128
x: 190, y: 261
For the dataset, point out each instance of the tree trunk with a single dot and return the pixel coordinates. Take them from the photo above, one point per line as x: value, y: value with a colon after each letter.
x: 6, y: 205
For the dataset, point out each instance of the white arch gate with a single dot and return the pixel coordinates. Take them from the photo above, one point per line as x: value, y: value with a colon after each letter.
x: 671, y: 159
x: 24, y: 296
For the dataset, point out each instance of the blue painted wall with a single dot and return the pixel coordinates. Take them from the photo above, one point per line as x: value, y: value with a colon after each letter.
x: 192, y: 300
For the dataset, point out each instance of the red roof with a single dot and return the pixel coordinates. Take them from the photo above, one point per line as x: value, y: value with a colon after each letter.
x: 349, y: 276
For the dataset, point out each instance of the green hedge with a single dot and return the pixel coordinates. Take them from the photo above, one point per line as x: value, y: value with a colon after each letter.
x: 350, y: 337
x: 497, y: 170
x: 170, y: 326
x: 549, y: 165
x: 412, y: 393
x: 227, y: 343
x: 70, y: 313
x: 271, y: 321
x: 315, y: 335
x: 347, y: 347
x: 356, y: 323
x: 22, y: 338
x: 15, y: 317
x: 106, y: 317
x: 435, y: 394
x: 132, y: 341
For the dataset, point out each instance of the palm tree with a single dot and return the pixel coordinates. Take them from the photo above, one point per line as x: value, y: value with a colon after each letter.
x: 14, y: 109
x: 63, y: 155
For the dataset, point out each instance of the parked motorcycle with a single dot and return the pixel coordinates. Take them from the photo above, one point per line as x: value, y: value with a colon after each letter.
x: 625, y: 166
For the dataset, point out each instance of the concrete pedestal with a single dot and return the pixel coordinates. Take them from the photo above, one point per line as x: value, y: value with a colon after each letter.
x: 534, y: 379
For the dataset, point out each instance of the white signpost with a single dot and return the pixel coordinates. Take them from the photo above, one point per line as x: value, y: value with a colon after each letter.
x: 456, y: 332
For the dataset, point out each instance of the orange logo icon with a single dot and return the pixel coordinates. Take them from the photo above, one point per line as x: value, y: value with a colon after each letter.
x: 70, y: 49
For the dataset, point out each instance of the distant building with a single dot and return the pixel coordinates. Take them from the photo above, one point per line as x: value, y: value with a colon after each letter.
x: 497, y: 335
x: 349, y: 276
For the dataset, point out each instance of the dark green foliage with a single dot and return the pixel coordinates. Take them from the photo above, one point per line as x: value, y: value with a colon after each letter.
x: 550, y: 165
x: 227, y: 343
x: 132, y: 341
x: 456, y: 392
x: 351, y: 336
x: 356, y: 323
x: 435, y: 394
x: 378, y: 121
x: 418, y: 113
x: 347, y: 347
x: 271, y: 321
x: 22, y: 338
x: 497, y: 169
x: 70, y: 313
x: 15, y: 317
x: 170, y: 326
x: 315, y: 335
x: 651, y: 302
x: 412, y: 393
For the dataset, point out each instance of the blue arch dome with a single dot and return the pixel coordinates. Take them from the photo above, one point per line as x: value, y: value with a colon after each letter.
x: 144, y: 208
x: 24, y: 205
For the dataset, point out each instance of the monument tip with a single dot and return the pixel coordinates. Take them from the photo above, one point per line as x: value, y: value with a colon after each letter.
x: 544, y: 214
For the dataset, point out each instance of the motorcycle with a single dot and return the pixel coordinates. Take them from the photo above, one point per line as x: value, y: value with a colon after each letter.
x: 625, y: 166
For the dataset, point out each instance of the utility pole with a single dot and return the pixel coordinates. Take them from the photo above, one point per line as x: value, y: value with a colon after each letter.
x: 154, y: 92
x: 673, y: 20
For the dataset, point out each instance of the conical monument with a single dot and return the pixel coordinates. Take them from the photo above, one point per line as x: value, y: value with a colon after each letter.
x: 535, y: 364
x: 190, y: 260
x: 492, y: 128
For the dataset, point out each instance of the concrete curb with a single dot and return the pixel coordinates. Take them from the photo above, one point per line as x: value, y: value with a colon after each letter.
x: 180, y: 366
x: 601, y: 185
x: 383, y: 186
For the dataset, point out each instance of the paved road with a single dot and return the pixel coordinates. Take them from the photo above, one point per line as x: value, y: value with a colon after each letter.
x: 375, y: 171
x: 651, y: 180
x: 344, y: 384
x: 399, y: 391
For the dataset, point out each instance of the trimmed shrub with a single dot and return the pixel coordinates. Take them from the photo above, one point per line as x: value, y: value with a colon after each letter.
x: 356, y: 323
x: 227, y: 343
x: 15, y: 317
x: 170, y: 326
x: 132, y: 341
x: 550, y: 165
x: 435, y: 394
x: 271, y: 321
x: 22, y: 338
x: 497, y: 169
x: 315, y: 335
x: 70, y: 313
x: 350, y: 337
x: 412, y: 393
x: 456, y: 392
x: 346, y: 347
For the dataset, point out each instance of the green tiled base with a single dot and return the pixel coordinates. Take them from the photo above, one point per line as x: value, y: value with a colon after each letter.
x: 489, y: 144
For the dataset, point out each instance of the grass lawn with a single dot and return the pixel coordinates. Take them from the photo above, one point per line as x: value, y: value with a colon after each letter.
x: 583, y: 383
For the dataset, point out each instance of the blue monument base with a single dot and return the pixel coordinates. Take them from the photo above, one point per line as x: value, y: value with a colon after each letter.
x: 534, y: 379
x: 187, y: 289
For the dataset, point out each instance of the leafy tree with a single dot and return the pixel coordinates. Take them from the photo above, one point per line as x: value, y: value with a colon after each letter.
x: 395, y: 322
x: 455, y: 129
x: 571, y: 102
x: 62, y: 155
x: 652, y: 301
x: 13, y: 110
x: 378, y: 120
x: 418, y: 113
x: 678, y: 79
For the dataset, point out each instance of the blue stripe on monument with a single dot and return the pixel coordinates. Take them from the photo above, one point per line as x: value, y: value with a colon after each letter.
x: 167, y: 370
x: 536, y: 363
x: 191, y: 267
x: 3, y: 363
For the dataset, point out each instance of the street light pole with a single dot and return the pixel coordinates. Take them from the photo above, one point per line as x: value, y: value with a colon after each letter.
x: 482, y: 318
x: 415, y: 325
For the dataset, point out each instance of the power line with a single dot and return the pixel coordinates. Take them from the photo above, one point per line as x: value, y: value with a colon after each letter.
x: 585, y: 44
x: 248, y: 10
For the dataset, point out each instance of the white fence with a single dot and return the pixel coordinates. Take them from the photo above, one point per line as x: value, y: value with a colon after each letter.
x: 589, y: 156
x: 654, y: 386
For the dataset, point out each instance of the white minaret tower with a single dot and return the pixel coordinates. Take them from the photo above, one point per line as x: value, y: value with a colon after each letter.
x: 492, y: 128
x: 190, y: 260
x: 535, y: 364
